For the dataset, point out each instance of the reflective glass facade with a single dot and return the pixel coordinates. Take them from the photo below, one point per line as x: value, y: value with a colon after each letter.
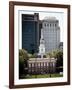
x: 30, y: 32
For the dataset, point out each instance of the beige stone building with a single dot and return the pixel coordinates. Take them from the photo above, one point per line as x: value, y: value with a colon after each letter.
x: 41, y: 65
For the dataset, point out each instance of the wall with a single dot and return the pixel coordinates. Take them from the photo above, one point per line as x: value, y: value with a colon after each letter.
x: 4, y: 45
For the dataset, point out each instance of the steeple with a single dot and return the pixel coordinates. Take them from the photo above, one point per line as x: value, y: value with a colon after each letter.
x: 42, y: 38
x: 41, y: 33
x: 42, y: 45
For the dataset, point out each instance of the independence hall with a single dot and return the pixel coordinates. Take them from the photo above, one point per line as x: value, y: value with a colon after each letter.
x: 40, y: 37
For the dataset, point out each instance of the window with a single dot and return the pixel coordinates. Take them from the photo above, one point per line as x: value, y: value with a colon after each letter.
x: 45, y: 24
x: 55, y: 25
x: 50, y: 25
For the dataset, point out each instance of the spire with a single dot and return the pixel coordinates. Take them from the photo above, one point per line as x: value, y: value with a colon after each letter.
x: 42, y: 45
x: 41, y: 33
x: 42, y: 38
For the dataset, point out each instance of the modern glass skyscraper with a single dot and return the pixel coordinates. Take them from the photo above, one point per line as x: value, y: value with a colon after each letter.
x: 30, y: 32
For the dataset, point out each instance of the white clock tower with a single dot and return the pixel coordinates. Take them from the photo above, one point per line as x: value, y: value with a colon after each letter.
x: 42, y: 45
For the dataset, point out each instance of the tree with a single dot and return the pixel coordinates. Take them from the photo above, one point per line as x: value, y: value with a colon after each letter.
x: 23, y: 54
x: 23, y: 61
x: 50, y: 56
x: 59, y: 64
x: 32, y: 55
x: 58, y: 54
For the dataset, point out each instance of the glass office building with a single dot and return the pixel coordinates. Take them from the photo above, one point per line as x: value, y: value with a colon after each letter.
x: 30, y: 32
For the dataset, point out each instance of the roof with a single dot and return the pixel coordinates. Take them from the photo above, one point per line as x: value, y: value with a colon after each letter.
x: 49, y: 18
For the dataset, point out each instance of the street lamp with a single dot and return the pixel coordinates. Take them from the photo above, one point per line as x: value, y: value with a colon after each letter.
x: 50, y: 68
x: 35, y: 65
x: 50, y: 55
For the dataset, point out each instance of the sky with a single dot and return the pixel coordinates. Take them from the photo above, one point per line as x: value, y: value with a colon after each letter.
x: 42, y: 14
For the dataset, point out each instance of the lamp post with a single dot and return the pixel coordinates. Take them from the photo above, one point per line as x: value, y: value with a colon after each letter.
x: 50, y: 55
x: 36, y: 66
x: 50, y: 67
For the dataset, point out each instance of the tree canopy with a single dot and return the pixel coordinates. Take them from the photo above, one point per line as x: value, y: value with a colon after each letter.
x: 23, y: 58
x: 23, y: 55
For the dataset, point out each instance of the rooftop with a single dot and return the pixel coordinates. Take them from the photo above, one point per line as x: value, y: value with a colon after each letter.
x: 50, y: 18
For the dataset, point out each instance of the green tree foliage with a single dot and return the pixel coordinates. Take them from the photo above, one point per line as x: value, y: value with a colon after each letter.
x: 50, y: 55
x: 23, y: 55
x: 23, y: 61
x: 32, y: 55
x: 59, y: 55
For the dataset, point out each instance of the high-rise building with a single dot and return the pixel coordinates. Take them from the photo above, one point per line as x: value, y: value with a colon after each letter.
x: 51, y: 33
x: 30, y: 32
